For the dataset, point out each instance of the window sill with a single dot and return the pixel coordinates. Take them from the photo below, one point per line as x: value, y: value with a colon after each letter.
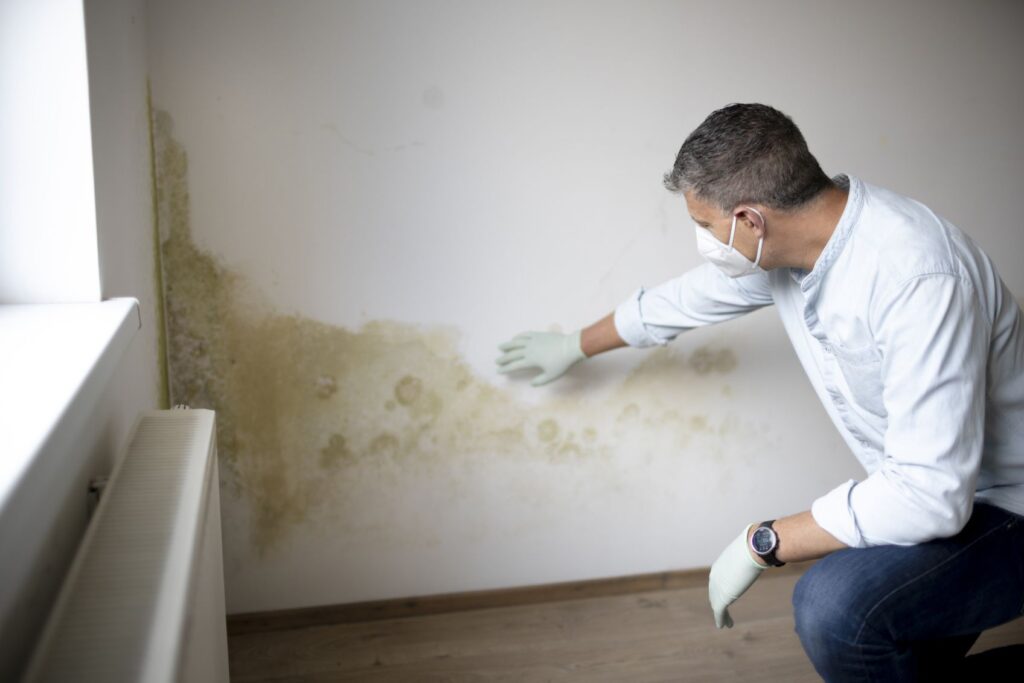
x: 55, y: 360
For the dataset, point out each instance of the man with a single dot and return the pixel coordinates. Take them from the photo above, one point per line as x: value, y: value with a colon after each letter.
x: 915, y: 347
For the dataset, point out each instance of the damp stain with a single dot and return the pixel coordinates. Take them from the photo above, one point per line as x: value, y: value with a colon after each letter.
x: 335, y: 452
x: 385, y: 444
x: 706, y: 360
x: 629, y: 412
x: 314, y: 418
x: 325, y: 386
x: 699, y: 423
x: 547, y: 430
x: 408, y: 390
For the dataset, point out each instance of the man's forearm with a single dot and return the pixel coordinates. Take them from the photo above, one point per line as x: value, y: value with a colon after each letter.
x: 800, y: 539
x: 601, y: 336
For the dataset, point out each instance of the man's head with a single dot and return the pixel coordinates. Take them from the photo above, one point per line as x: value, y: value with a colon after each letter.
x: 748, y: 163
x: 747, y: 153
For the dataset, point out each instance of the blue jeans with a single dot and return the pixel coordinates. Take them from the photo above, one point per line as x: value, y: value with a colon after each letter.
x: 911, y: 613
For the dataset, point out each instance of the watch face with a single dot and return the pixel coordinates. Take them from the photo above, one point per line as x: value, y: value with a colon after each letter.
x: 763, y: 540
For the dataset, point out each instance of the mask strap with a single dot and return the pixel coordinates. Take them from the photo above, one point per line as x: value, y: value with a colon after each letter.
x: 760, y: 242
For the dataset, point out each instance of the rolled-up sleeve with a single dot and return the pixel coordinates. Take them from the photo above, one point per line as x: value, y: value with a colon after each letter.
x: 700, y: 296
x: 933, y: 337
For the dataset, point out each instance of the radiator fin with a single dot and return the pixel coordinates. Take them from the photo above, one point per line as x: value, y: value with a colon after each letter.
x: 121, y: 614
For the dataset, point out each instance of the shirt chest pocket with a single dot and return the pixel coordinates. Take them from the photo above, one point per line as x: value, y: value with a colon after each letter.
x: 862, y: 369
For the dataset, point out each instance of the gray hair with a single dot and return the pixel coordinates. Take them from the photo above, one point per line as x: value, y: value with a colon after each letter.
x: 747, y: 153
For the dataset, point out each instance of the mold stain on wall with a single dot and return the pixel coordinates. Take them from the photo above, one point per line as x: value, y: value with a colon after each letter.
x: 311, y: 415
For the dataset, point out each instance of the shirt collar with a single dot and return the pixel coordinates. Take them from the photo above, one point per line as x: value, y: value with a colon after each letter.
x: 837, y: 240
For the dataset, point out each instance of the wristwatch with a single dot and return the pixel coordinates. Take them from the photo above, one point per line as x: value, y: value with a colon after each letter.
x: 765, y: 542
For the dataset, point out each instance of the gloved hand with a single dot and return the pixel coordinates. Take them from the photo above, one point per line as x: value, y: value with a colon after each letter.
x: 732, y: 574
x: 552, y: 352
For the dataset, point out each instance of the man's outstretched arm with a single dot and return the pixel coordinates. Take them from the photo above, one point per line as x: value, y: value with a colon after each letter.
x: 648, y: 317
x: 601, y: 336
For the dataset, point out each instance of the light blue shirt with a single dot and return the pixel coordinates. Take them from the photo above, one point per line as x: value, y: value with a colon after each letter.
x: 914, y: 345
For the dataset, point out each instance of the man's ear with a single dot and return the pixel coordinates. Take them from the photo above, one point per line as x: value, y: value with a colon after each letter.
x: 752, y: 217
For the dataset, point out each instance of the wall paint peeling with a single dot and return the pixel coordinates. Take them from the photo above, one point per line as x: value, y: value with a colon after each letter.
x: 312, y: 416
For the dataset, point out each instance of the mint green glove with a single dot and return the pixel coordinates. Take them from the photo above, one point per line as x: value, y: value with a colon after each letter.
x: 552, y: 352
x: 732, y: 574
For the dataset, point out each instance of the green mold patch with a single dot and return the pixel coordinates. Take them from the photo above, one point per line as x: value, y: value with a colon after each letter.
x: 311, y: 416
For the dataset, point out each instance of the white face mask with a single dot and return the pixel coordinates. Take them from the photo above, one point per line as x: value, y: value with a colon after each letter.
x: 727, y: 258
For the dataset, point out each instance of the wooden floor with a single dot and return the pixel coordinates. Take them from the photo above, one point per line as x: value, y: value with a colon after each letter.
x: 661, y: 635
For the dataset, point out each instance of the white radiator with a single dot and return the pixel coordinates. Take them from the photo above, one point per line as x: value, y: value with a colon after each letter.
x: 144, y: 598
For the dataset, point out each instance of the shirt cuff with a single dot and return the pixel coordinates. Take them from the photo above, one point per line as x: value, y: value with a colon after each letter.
x: 833, y: 513
x: 630, y: 325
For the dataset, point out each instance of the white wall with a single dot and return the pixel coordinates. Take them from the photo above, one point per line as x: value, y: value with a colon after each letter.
x: 486, y: 168
x: 47, y: 209
x: 126, y: 235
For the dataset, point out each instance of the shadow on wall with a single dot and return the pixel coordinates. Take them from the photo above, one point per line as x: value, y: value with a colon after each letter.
x: 310, y: 413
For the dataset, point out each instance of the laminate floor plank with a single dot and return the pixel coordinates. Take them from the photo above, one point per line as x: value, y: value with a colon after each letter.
x: 653, y: 636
